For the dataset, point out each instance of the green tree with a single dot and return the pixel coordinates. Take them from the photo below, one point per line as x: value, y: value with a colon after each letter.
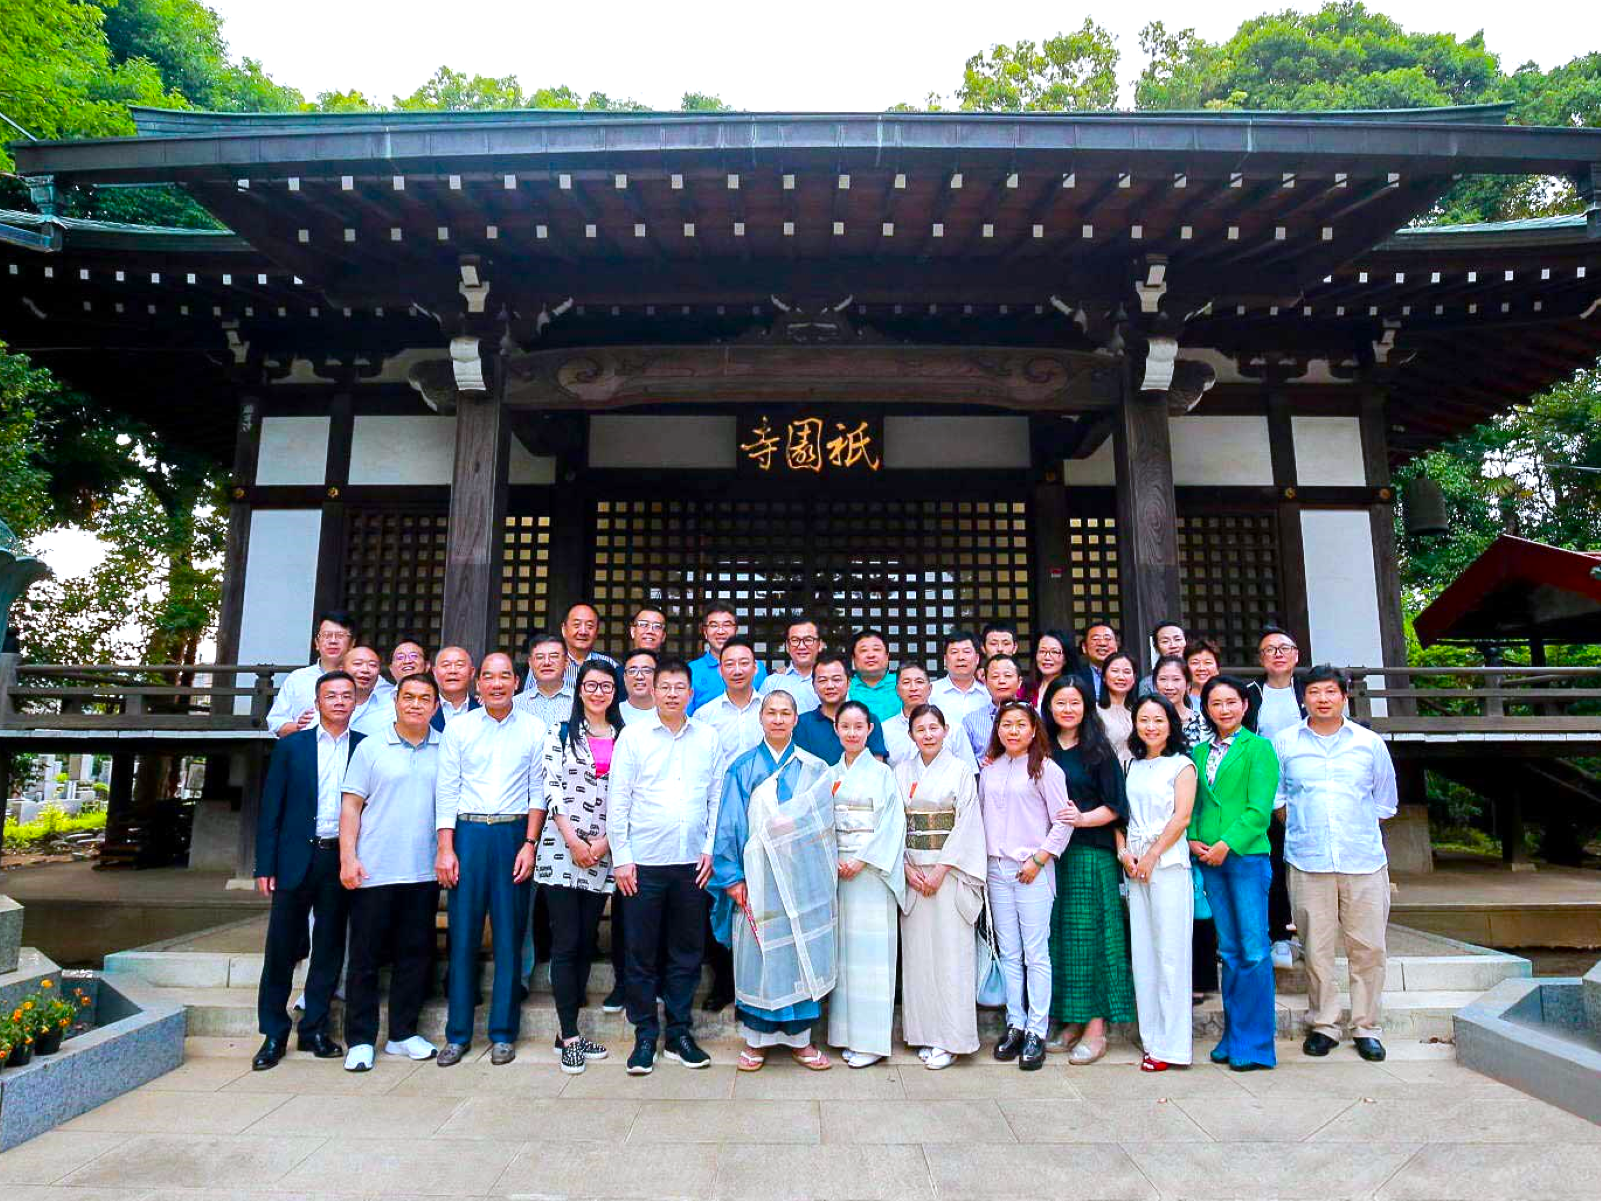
x: 703, y: 102
x: 452, y: 91
x: 1075, y: 70
x: 183, y: 41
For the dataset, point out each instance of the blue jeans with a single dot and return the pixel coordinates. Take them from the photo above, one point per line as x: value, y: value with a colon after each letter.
x: 487, y: 854
x: 1238, y: 894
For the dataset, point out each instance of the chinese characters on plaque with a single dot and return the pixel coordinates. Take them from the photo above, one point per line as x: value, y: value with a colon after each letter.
x: 783, y: 442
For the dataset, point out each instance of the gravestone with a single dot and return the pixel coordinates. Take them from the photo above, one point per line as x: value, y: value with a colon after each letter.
x: 10, y: 934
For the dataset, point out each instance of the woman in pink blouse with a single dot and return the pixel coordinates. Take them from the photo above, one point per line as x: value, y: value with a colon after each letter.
x: 1021, y: 795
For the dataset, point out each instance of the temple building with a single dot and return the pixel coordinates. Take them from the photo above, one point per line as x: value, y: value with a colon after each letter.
x: 912, y: 371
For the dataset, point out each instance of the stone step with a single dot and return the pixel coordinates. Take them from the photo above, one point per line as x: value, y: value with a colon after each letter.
x: 1404, y: 973
x: 231, y: 1013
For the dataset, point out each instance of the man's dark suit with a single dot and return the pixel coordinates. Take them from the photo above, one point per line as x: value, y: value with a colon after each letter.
x: 307, y: 882
x: 438, y: 720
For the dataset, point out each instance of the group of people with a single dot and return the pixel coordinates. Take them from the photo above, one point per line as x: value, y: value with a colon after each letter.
x: 1060, y: 829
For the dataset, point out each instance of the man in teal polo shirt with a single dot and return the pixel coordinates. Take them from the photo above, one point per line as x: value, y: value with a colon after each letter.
x: 873, y: 683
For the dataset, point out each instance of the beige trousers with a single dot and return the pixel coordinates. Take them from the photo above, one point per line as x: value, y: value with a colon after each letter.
x: 1327, y: 907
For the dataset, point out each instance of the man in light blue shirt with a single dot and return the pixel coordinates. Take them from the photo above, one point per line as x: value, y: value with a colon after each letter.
x: 1336, y: 784
x: 802, y: 642
x: 705, y: 673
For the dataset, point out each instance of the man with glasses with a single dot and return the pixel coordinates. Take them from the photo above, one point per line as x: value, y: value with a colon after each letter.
x: 547, y: 694
x: 719, y: 626
x: 1096, y: 645
x: 648, y: 630
x: 803, y: 644
x: 1273, y: 705
x: 295, y: 706
x: 639, y: 685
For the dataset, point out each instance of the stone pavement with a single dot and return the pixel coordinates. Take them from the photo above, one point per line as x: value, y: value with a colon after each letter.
x: 1417, y: 1128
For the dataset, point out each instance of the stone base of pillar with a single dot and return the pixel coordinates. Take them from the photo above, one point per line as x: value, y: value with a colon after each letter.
x: 1406, y: 841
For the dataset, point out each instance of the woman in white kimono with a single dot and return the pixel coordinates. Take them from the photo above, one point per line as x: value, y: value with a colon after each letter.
x: 774, y: 870
x: 912, y: 686
x: 1161, y: 897
x: 945, y: 871
x: 870, y: 824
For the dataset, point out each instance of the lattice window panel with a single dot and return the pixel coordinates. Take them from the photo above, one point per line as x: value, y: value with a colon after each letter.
x: 524, y: 587
x: 1229, y: 574
x: 1092, y: 567
x: 912, y: 568
x: 395, y: 574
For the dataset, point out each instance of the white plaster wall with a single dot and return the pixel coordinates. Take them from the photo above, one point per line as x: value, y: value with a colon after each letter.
x: 1226, y: 451
x: 421, y: 451
x: 937, y: 442
x: 280, y: 579
x: 1341, y: 591
x: 1328, y: 451
x: 667, y: 442
x: 294, y: 450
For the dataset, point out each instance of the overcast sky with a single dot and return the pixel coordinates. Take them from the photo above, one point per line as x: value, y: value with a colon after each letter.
x: 860, y: 56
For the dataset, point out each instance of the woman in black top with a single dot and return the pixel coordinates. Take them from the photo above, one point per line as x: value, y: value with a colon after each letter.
x: 1091, y: 980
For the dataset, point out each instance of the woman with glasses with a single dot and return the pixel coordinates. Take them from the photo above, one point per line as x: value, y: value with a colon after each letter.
x: 1203, y: 659
x: 1050, y: 661
x: 1090, y: 980
x: 1238, y: 784
x: 870, y: 825
x: 573, y: 861
x: 1021, y: 792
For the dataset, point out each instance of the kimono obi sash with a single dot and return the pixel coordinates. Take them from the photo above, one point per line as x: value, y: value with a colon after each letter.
x: 927, y: 829
x: 854, y: 823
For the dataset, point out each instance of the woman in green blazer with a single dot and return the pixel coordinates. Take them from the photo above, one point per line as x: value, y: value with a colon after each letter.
x: 1237, y: 780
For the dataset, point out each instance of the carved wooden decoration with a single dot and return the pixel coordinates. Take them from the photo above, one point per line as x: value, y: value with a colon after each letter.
x: 1010, y: 377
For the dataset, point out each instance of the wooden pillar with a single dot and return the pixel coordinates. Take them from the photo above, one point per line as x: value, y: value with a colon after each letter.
x: 1048, y: 536
x: 1386, y: 559
x: 330, y: 589
x: 475, y: 542
x: 1147, y: 516
x: 1291, y: 544
x: 247, y: 449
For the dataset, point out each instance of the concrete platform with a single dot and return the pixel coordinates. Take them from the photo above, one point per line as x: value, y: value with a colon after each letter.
x: 1479, y: 901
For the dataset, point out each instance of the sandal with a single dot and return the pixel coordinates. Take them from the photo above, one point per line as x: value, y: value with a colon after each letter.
x: 751, y: 1061
x: 1152, y: 1065
x: 816, y: 1061
x: 1086, y: 1053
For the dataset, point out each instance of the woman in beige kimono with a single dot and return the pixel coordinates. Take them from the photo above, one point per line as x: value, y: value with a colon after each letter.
x: 945, y: 869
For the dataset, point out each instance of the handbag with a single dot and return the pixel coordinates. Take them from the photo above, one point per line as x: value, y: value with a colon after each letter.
x: 991, y: 980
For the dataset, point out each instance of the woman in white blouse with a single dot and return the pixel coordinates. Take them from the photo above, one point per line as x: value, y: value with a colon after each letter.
x: 1119, y: 677
x: 1161, y: 897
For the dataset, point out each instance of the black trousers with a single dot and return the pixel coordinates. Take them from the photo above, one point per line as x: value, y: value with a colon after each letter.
x: 669, y: 907
x: 321, y: 895
x: 619, y: 944
x: 1203, y: 955
x: 574, y: 924
x: 1279, y: 919
x: 393, y: 922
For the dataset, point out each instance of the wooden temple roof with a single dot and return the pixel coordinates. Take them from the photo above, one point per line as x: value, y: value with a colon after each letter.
x: 1276, y: 234
x: 1517, y: 590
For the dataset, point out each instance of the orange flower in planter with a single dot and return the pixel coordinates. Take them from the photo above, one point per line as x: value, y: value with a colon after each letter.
x: 47, y: 984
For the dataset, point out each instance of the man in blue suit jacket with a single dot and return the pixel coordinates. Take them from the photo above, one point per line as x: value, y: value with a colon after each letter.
x: 297, y: 867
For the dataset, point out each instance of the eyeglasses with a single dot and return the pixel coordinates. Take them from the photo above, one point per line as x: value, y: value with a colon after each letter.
x: 654, y: 626
x: 1282, y: 648
x: 804, y: 640
x: 597, y: 687
x: 641, y: 673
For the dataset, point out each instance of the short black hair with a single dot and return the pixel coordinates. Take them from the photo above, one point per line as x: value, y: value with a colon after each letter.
x: 956, y: 636
x: 340, y: 617
x: 646, y: 609
x: 910, y: 665
x: 1326, y: 673
x: 862, y: 635
x: 828, y: 657
x: 539, y: 638
x: 417, y: 677
x: 735, y: 641
x: 1176, y: 744
x: 581, y: 603
x: 1269, y: 630
x: 643, y: 650
x: 416, y: 642
x: 801, y: 619
x: 332, y: 677
x: 674, y: 667
x: 1163, y: 660
x: 1219, y: 681
x: 1093, y: 623
x: 1012, y: 659
x: 718, y: 607
x: 1164, y: 624
x: 997, y: 627
x: 1199, y: 644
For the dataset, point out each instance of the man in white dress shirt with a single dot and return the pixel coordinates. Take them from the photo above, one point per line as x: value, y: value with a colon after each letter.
x: 662, y: 819
x: 639, y: 685
x: 375, y: 710
x: 453, y: 672
x: 1337, y: 785
x: 294, y: 707
x: 491, y: 771
x: 803, y: 644
x: 959, y: 691
x: 912, y: 686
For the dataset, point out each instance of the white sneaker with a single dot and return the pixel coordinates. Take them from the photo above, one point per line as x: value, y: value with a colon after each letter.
x: 938, y: 1059
x: 1282, y: 955
x: 923, y: 1053
x: 861, y: 1059
x: 300, y: 1002
x: 415, y: 1047
x: 359, y: 1059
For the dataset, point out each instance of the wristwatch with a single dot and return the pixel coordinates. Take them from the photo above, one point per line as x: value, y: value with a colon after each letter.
x: 533, y: 842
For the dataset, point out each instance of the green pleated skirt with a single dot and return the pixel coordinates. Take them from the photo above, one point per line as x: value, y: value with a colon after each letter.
x: 1091, y: 976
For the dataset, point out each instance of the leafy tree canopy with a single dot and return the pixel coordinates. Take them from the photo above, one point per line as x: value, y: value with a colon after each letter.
x: 1075, y: 70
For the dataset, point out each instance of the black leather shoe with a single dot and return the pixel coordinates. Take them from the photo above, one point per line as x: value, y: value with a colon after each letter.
x: 1319, y: 1044
x: 1010, y: 1046
x: 270, y: 1052
x: 1370, y: 1049
x: 321, y: 1046
x: 1032, y: 1058
x: 716, y: 1002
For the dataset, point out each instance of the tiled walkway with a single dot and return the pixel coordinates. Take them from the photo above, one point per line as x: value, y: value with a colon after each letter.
x: 1417, y: 1127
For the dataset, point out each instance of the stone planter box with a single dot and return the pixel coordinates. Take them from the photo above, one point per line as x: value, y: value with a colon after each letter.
x: 130, y: 1042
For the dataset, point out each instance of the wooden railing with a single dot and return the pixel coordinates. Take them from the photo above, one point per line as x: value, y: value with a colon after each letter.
x: 174, y: 697
x: 1505, y: 700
